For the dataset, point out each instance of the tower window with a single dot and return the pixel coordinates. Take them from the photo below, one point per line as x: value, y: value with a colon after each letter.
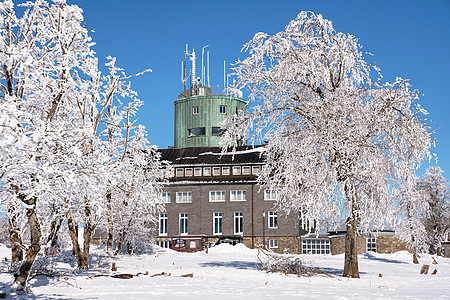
x: 217, y: 131
x: 197, y: 131
x: 222, y: 109
x: 195, y: 110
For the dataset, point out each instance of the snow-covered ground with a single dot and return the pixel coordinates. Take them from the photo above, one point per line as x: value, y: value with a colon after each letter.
x: 231, y: 272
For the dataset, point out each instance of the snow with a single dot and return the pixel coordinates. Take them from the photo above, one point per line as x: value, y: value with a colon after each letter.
x: 231, y: 272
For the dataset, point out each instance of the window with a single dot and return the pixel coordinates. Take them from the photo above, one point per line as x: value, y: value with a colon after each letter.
x: 184, y: 197
x: 217, y: 223
x: 188, y: 172
x: 270, y: 195
x: 184, y: 217
x: 246, y: 170
x: 197, y: 171
x: 180, y: 172
x: 236, y: 170
x: 238, y: 222
x: 216, y: 196
x: 163, y: 244
x: 273, y: 219
x: 238, y: 195
x: 216, y: 171
x: 315, y: 246
x: 371, y: 244
x: 256, y: 170
x: 273, y: 243
x: 163, y: 224
x: 195, y: 110
x: 222, y: 109
x: 225, y: 170
x: 217, y: 131
x: 165, y: 198
x: 197, y: 131
x: 207, y: 171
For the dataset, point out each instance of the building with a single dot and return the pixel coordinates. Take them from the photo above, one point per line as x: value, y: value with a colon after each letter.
x: 215, y: 196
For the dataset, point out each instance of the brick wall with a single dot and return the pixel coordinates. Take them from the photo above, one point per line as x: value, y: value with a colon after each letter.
x: 288, y: 244
x: 337, y: 244
x: 390, y: 244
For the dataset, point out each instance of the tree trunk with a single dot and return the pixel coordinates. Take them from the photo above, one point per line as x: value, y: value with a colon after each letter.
x: 415, y: 258
x: 120, y: 241
x: 16, y: 240
x: 74, y: 237
x: 32, y: 251
x: 351, y: 248
x: 110, y: 238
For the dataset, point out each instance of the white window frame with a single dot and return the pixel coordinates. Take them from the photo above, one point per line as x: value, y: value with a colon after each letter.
x: 188, y: 172
x: 371, y: 244
x: 238, y: 195
x: 197, y: 171
x: 195, y: 110
x: 273, y: 243
x: 217, y: 227
x: 179, y: 172
x: 270, y: 195
x: 217, y: 196
x: 236, y: 170
x: 207, y: 171
x: 315, y: 246
x: 216, y: 171
x: 256, y: 170
x: 165, y: 197
x: 225, y: 170
x: 222, y: 109
x: 246, y: 170
x: 272, y: 220
x: 184, y: 197
x: 238, y: 222
x: 183, y: 218
x: 163, y: 219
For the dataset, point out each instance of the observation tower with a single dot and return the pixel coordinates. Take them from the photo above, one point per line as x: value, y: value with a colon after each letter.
x: 200, y: 109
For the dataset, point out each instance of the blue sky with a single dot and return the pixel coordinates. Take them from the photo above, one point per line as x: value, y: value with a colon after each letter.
x: 409, y: 39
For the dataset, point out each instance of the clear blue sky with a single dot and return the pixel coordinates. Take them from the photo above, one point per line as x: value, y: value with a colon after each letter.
x: 410, y: 39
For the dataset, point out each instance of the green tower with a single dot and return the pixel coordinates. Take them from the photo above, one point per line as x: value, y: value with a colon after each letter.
x: 198, y: 113
x: 200, y: 109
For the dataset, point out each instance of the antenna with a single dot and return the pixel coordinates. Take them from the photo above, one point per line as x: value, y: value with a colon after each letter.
x: 193, y: 59
x: 183, y: 64
x: 207, y: 65
x: 224, y: 75
x: 203, y: 69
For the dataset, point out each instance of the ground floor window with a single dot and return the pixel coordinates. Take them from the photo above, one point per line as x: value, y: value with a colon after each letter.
x: 217, y: 223
x: 163, y: 244
x: 371, y: 244
x: 273, y: 243
x: 163, y: 224
x: 315, y: 246
x: 238, y: 222
x: 184, y: 217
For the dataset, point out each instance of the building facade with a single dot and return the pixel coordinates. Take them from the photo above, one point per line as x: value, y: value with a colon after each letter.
x: 216, y: 196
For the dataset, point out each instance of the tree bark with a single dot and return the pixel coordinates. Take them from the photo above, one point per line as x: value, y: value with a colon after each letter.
x: 15, y: 239
x: 74, y: 237
x: 110, y: 238
x: 351, y: 248
x: 32, y: 251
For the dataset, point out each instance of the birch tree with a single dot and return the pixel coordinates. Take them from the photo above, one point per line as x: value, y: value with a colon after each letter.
x: 338, y: 143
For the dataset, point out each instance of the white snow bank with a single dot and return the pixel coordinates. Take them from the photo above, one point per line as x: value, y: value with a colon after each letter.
x: 227, y: 248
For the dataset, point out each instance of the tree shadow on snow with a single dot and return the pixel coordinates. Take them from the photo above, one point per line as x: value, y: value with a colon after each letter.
x: 370, y: 256
x: 241, y: 265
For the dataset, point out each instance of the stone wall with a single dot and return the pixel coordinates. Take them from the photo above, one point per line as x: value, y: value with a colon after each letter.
x: 390, y: 244
x: 337, y: 244
x: 285, y: 244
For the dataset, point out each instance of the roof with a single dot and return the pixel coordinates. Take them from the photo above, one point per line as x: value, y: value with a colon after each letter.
x: 212, y: 156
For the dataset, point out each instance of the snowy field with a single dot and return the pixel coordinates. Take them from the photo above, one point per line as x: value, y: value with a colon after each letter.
x: 228, y: 272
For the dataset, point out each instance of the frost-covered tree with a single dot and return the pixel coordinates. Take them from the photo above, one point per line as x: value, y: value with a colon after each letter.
x: 336, y: 141
x: 57, y: 114
x: 435, y: 191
